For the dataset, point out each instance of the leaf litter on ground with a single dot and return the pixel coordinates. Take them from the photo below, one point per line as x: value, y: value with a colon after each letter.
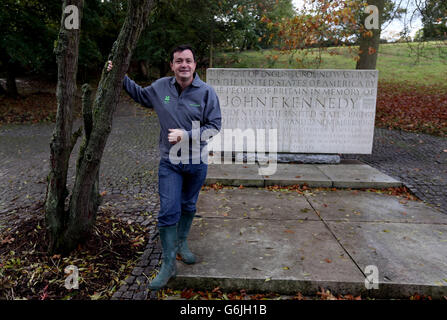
x: 103, y: 261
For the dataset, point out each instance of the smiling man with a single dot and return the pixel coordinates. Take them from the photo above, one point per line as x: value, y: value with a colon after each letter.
x: 179, y: 101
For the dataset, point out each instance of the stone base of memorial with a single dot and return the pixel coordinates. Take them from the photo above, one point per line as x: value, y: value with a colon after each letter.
x: 288, y: 158
x: 250, y: 157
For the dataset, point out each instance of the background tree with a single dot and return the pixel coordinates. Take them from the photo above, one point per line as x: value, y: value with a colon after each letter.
x: 167, y: 28
x: 29, y: 29
x: 68, y: 228
x: 208, y: 26
x: 101, y: 21
x: 433, y: 14
x: 321, y: 23
x: 325, y: 23
x: 249, y: 16
x: 434, y: 19
x: 26, y: 38
x: 369, y: 39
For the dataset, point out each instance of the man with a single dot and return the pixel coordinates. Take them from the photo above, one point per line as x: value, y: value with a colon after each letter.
x: 179, y: 101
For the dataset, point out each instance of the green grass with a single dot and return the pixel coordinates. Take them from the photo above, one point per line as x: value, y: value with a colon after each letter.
x: 396, y: 62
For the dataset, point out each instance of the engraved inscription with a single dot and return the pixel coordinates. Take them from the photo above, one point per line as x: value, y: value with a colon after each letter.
x: 314, y: 111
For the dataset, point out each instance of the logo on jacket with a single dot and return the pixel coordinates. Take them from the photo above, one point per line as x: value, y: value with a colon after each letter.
x: 167, y: 99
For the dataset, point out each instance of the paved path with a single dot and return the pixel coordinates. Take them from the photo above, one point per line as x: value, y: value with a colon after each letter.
x: 129, y: 174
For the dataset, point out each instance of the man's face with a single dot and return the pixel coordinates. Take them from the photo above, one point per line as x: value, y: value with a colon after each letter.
x: 183, y: 66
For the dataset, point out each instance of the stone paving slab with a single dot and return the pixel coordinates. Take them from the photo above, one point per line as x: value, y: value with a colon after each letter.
x: 287, y: 255
x: 235, y: 175
x: 249, y: 203
x: 404, y: 253
x: 348, y: 175
x: 266, y: 251
x: 357, y: 176
x: 352, y: 205
x: 291, y: 174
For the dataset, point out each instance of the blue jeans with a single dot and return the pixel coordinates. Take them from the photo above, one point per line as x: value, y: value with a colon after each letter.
x: 178, y: 186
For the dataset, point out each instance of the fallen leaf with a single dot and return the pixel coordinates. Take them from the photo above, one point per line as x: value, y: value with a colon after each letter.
x: 8, y: 240
x: 299, y: 296
x: 328, y: 260
x: 44, y: 295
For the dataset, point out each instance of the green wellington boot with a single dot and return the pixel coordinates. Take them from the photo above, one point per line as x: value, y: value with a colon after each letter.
x: 168, y: 237
x: 184, y: 226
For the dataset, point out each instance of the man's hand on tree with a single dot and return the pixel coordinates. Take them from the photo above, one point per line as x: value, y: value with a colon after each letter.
x: 175, y: 135
x: 109, y: 65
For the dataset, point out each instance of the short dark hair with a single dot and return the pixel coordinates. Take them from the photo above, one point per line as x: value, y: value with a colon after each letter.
x: 182, y: 48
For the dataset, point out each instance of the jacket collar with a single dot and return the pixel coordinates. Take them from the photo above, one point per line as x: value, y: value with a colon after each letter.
x: 196, y: 82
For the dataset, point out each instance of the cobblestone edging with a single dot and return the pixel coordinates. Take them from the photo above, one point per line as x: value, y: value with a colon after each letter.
x: 137, y: 283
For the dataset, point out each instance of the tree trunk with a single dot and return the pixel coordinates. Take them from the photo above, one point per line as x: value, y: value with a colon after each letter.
x: 11, y: 87
x: 84, y: 201
x: 143, y: 68
x: 369, y: 46
x: 62, y: 141
x: 211, y: 51
x: 163, y: 69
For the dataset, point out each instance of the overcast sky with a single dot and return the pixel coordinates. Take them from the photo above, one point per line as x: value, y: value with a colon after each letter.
x: 391, y: 30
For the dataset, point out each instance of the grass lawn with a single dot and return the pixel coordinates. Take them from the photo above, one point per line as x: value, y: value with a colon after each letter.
x: 396, y: 62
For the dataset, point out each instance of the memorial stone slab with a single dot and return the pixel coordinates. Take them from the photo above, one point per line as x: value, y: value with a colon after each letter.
x: 312, y: 111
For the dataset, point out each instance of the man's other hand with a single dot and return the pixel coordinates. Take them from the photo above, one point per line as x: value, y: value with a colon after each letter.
x: 175, y: 135
x: 109, y: 65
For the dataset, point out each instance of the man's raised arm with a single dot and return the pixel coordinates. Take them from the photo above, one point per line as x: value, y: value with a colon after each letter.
x: 136, y: 92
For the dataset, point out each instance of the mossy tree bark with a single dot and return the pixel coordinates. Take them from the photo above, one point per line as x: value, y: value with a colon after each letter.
x: 68, y: 228
x: 63, y: 140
